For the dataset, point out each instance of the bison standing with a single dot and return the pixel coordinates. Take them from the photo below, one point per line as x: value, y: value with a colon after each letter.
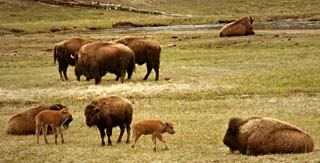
x: 96, y: 59
x: 65, y: 52
x: 108, y: 112
x: 145, y: 51
x: 241, y: 27
x: 258, y: 136
x: 24, y: 123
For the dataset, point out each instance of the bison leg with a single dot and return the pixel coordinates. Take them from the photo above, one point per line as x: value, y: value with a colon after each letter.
x: 154, y: 142
x: 109, y: 133
x: 61, y: 134
x: 45, y: 129
x: 156, y: 69
x: 55, y: 133
x: 65, y: 73
x: 135, y: 138
x: 128, y: 133
x: 149, y: 69
x: 97, y: 79
x: 102, y: 134
x: 38, y: 128
x: 122, y: 127
x: 129, y: 71
x: 63, y: 65
x: 162, y: 140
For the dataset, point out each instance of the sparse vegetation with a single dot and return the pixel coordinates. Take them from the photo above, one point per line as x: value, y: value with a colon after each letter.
x: 204, y: 81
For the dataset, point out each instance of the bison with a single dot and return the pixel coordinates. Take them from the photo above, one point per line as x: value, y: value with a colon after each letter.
x: 153, y: 127
x: 259, y: 136
x: 24, y: 123
x: 145, y: 51
x: 65, y: 52
x: 96, y: 59
x: 53, y: 118
x: 108, y: 112
x: 241, y: 27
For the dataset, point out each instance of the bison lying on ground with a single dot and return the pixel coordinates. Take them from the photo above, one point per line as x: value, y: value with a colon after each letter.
x: 54, y: 118
x: 24, y: 123
x: 96, y: 59
x: 240, y: 27
x: 258, y: 136
x: 152, y: 127
x: 145, y: 51
x: 108, y: 112
x: 65, y: 52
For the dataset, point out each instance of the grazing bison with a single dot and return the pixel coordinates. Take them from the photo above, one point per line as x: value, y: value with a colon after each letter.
x: 145, y: 51
x: 108, y: 112
x: 96, y: 59
x: 258, y: 136
x: 24, y: 122
x: 152, y: 127
x: 54, y: 118
x: 66, y: 52
x: 240, y: 27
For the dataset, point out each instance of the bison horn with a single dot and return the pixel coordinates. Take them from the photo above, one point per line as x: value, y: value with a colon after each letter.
x: 72, y: 56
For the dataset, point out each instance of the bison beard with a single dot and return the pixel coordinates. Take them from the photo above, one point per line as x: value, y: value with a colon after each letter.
x: 108, y: 112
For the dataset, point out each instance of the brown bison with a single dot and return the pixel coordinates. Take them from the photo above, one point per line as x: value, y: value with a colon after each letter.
x: 145, y: 51
x: 54, y: 118
x: 152, y: 127
x: 108, y: 112
x: 258, y: 136
x: 240, y: 27
x: 24, y: 122
x: 66, y: 52
x: 96, y: 59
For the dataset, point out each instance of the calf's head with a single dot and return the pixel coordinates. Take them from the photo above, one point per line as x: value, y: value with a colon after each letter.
x: 65, y: 115
x: 169, y: 128
x: 59, y: 107
x: 230, y: 138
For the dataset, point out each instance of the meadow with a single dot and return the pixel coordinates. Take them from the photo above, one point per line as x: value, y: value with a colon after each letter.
x: 204, y: 81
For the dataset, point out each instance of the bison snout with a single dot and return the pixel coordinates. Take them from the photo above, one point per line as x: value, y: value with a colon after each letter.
x: 89, y: 124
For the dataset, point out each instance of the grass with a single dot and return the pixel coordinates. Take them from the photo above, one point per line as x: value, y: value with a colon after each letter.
x: 208, y: 80
x: 18, y: 17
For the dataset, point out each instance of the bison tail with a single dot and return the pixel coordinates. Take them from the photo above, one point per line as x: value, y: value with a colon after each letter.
x: 55, y: 55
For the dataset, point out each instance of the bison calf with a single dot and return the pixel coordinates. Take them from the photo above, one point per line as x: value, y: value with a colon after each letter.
x: 152, y: 127
x: 258, y: 136
x: 53, y: 118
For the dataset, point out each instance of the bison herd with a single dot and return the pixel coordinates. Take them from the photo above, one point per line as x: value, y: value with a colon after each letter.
x: 252, y: 136
x: 95, y: 59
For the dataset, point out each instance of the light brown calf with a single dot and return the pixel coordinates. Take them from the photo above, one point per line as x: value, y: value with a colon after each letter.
x: 53, y: 118
x: 152, y: 127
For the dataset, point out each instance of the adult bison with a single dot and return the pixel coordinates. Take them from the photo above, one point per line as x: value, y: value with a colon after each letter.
x: 96, y: 59
x: 146, y: 51
x: 241, y: 27
x: 24, y: 123
x: 108, y: 112
x: 65, y: 52
x: 258, y: 136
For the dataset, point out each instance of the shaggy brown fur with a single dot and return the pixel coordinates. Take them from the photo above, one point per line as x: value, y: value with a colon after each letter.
x: 54, y: 118
x: 96, y: 59
x: 257, y: 136
x: 152, y: 127
x: 108, y: 112
x: 146, y: 51
x: 241, y: 27
x: 24, y: 123
x: 66, y: 53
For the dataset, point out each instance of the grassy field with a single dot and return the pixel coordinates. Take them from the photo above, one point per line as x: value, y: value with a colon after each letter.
x: 20, y: 17
x: 204, y: 80
x: 209, y: 80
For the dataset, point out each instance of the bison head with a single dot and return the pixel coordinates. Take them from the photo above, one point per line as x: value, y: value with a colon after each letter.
x: 169, y: 128
x: 59, y: 107
x: 231, y: 137
x: 91, y: 113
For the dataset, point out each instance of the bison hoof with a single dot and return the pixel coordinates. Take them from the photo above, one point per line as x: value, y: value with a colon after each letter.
x: 127, y: 142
